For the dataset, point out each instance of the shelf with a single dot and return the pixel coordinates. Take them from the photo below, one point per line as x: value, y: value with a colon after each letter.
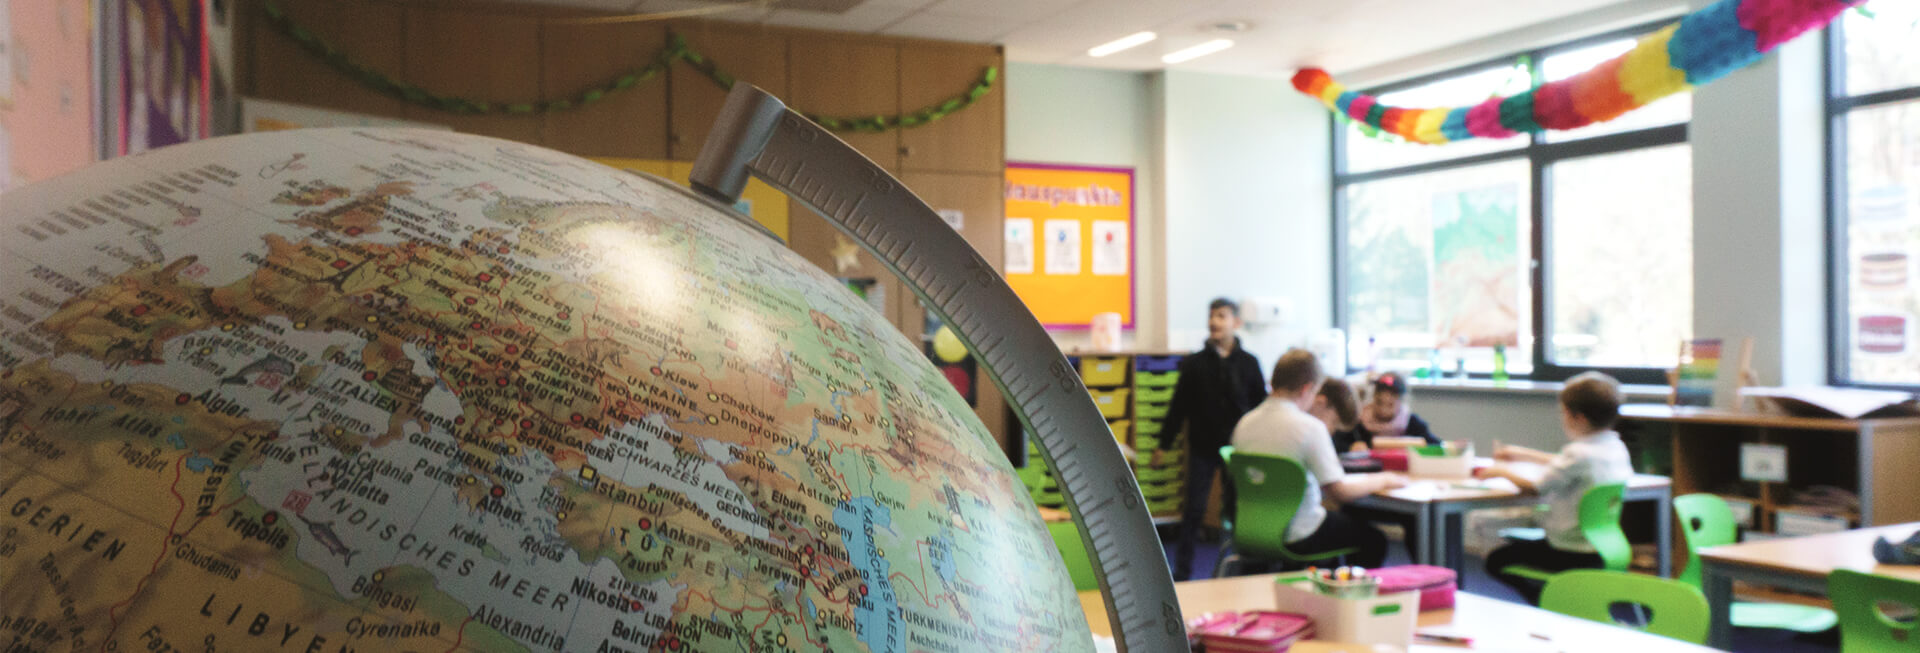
x: 1716, y: 417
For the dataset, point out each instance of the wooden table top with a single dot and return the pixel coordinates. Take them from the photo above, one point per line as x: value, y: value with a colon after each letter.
x: 1818, y: 555
x: 1446, y: 491
x: 1494, y: 625
x: 1698, y: 415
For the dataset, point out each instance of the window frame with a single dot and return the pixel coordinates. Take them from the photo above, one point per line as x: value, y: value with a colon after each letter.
x: 1839, y: 104
x: 1541, y: 156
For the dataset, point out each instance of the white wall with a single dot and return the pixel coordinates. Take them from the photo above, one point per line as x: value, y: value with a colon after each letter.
x: 1246, y: 191
x: 1086, y: 116
x: 1758, y: 220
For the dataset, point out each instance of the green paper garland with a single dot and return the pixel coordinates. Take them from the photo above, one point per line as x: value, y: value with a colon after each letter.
x: 676, y: 50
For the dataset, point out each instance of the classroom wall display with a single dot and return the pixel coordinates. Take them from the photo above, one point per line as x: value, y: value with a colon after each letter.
x: 1069, y: 241
x: 46, y: 89
x: 760, y: 201
x: 159, y: 74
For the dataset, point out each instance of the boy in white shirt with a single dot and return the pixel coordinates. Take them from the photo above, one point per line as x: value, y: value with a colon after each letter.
x: 1281, y: 426
x: 1589, y: 406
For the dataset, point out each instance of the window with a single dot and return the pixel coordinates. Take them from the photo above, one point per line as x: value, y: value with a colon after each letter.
x: 1444, y: 252
x: 1875, y: 141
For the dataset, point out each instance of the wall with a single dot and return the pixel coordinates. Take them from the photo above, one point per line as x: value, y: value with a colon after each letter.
x: 1246, y: 194
x: 1759, y: 226
x: 1060, y: 114
x: 46, y: 90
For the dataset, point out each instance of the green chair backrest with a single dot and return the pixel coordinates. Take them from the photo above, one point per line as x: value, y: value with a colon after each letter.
x: 1678, y: 610
x: 1226, y: 453
x: 1268, y: 491
x: 1600, y: 522
x: 1066, y: 537
x: 1707, y: 521
x: 1863, y: 626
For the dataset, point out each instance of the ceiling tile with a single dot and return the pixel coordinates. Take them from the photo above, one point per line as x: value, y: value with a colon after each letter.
x: 1007, y: 9
x: 1340, y: 35
x: 747, y: 14
x: 946, y: 27
x: 867, y: 17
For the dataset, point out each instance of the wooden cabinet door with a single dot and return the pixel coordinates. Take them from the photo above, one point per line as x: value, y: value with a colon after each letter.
x: 836, y: 76
x: 977, y: 197
x: 751, y: 54
x: 972, y: 139
x: 280, y: 69
x: 490, y: 57
x: 630, y: 123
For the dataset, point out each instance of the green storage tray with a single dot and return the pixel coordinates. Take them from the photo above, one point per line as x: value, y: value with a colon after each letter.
x: 1155, y: 379
x: 1145, y: 410
x: 1161, y: 475
x: 1149, y: 394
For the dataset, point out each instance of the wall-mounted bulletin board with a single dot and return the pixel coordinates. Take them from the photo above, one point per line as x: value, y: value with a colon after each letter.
x: 1069, y: 244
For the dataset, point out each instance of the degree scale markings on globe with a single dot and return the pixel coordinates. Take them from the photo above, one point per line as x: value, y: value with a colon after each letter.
x: 444, y: 392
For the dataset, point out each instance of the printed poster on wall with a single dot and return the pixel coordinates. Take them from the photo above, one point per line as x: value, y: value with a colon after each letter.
x: 1069, y: 241
x: 160, y: 80
x: 1110, y: 249
x: 1063, y: 247
x: 1019, y: 249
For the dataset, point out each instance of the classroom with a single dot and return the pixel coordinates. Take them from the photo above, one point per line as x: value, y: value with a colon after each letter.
x: 950, y: 325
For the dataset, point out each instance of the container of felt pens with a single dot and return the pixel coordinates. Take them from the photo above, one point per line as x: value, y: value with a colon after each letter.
x: 1346, y: 605
x: 1344, y: 582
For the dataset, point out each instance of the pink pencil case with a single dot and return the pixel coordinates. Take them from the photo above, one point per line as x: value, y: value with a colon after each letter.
x: 1256, y: 631
x: 1435, y: 584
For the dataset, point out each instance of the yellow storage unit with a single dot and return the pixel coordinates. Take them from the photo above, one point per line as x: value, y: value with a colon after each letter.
x: 1119, y: 428
x: 1112, y: 403
x: 1103, y: 370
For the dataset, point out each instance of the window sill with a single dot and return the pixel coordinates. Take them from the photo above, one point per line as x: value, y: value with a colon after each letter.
x: 1633, y: 391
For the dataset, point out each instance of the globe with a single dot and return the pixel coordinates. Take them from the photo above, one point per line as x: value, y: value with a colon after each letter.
x: 387, y: 389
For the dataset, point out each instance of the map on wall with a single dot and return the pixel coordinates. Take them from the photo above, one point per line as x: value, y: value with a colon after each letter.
x: 1477, y: 282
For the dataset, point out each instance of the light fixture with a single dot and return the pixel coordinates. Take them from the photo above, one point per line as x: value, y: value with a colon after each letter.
x: 1197, y: 51
x: 1135, y: 39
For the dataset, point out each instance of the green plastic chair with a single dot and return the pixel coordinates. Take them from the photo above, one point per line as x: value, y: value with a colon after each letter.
x: 1679, y: 610
x: 1707, y: 521
x: 1864, y: 628
x: 1268, y: 491
x: 1600, y: 522
x: 1066, y: 537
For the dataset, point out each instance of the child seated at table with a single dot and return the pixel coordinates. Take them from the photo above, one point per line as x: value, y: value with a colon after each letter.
x: 1336, y: 407
x: 1389, y: 412
x: 1280, y: 426
x: 1594, y: 455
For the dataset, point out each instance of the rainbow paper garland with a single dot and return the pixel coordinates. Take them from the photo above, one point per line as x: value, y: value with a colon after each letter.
x: 1704, y: 46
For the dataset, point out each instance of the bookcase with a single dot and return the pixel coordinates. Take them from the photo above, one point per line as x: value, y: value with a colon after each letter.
x: 1876, y: 459
x: 1133, y: 391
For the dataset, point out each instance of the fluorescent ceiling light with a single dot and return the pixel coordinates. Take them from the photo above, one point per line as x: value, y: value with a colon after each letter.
x: 1129, y: 41
x: 1197, y: 51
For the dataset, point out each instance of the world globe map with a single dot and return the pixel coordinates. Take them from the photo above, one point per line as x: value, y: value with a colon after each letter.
x: 403, y: 390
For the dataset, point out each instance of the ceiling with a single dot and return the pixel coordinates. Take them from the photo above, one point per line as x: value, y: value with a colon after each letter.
x: 1283, y: 35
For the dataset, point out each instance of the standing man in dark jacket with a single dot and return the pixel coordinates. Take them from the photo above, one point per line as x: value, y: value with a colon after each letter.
x: 1217, y: 385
